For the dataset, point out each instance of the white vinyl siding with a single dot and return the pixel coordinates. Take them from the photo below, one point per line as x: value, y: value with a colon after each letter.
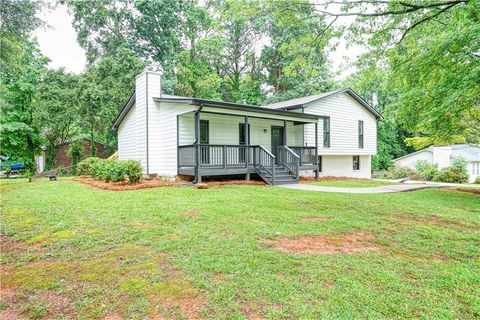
x: 141, y: 118
x: 410, y: 160
x: 473, y: 171
x: 342, y: 166
x: 344, y: 113
x: 127, y: 142
x: 223, y: 129
x: 163, y: 136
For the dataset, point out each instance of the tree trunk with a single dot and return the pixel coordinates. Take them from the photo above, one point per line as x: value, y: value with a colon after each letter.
x: 93, y: 148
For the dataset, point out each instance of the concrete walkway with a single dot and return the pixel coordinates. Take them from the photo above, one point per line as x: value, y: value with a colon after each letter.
x: 381, y: 189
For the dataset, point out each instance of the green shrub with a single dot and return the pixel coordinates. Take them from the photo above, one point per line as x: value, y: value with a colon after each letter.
x: 460, y: 162
x: 425, y: 170
x: 398, y: 172
x: 451, y: 175
x: 111, y: 170
x: 477, y: 180
x: 85, y: 167
x: 133, y: 170
x: 104, y: 170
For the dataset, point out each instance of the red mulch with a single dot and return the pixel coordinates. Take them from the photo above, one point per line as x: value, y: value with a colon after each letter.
x: 474, y: 191
x: 236, y: 182
x: 155, y: 183
x: 125, y: 185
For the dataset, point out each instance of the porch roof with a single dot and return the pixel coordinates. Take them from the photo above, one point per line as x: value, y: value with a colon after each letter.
x: 239, y: 108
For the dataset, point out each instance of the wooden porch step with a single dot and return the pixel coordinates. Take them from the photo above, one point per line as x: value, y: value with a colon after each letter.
x: 282, y: 176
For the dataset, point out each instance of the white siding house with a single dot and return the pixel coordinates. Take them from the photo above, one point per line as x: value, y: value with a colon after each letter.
x: 344, y: 110
x: 443, y: 156
x: 172, y: 135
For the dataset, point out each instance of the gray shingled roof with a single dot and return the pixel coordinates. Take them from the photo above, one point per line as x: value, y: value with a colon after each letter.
x: 469, y: 152
x: 301, y: 102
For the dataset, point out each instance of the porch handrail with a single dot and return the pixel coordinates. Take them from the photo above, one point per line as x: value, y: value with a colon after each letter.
x: 307, y: 154
x: 264, y: 159
x: 215, y: 155
x: 289, y: 159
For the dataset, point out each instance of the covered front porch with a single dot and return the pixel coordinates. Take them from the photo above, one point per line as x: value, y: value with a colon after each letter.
x: 213, y: 142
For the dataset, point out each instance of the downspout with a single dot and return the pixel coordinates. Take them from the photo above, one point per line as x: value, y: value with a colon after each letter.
x: 197, y: 142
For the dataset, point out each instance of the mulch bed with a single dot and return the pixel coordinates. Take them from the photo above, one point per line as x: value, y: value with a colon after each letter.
x: 474, y: 191
x: 236, y: 182
x: 125, y: 185
x: 155, y: 183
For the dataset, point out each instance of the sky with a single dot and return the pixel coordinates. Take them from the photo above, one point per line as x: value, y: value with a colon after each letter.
x: 58, y: 41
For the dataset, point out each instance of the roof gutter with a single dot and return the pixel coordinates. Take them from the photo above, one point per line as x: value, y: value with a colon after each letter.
x: 238, y: 107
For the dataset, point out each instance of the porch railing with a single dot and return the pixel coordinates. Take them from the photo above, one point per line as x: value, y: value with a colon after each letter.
x: 264, y: 159
x: 242, y: 156
x: 307, y: 155
x: 289, y: 159
x: 216, y: 156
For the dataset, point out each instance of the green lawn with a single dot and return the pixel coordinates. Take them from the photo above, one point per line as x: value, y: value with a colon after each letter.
x: 351, y: 183
x: 70, y: 251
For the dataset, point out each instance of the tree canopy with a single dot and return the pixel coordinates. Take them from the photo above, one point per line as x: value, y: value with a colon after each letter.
x: 421, y: 68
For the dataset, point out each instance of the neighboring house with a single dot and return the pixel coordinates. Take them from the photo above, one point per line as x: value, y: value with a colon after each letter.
x: 63, y: 160
x: 332, y: 134
x: 443, y: 156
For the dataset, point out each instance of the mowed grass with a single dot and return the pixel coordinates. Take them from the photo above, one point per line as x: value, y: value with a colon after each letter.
x: 70, y: 251
x: 351, y: 183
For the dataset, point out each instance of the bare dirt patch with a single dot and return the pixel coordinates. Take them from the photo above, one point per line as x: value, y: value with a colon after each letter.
x: 112, y: 316
x: 435, y: 221
x: 192, y: 213
x: 8, y: 244
x: 218, y: 277
x: 8, y: 297
x: 358, y: 242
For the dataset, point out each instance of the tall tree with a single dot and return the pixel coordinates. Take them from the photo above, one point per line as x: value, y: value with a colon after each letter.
x: 103, y: 91
x: 240, y: 30
x: 371, y: 82
x: 295, y: 60
x: 19, y: 135
x: 102, y: 25
x: 21, y: 68
x: 56, y: 111
x: 431, y: 49
x: 196, y: 72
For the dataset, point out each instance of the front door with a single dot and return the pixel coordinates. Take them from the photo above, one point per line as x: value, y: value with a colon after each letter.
x: 277, y: 139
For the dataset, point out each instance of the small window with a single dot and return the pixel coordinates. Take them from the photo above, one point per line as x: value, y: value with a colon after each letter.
x: 320, y: 169
x: 204, y: 132
x: 360, y: 134
x: 241, y: 134
x: 326, y: 132
x: 356, y: 162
